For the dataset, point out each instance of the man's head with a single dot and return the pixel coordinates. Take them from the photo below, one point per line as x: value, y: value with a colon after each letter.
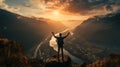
x: 60, y: 34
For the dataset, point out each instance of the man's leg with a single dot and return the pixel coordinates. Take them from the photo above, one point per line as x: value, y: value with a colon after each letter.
x: 62, y: 53
x: 58, y: 53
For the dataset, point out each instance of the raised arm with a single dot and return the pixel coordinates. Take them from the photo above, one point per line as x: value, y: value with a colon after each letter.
x: 66, y: 35
x: 54, y: 34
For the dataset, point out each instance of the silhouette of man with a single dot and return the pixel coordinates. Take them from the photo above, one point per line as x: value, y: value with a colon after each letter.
x: 60, y: 42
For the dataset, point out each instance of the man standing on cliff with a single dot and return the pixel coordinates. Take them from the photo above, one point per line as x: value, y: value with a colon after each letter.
x: 60, y: 42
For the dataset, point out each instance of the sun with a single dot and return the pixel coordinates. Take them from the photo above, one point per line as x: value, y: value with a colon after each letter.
x: 56, y: 13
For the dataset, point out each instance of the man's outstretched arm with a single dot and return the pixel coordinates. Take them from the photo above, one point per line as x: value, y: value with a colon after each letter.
x: 53, y: 34
x: 66, y: 35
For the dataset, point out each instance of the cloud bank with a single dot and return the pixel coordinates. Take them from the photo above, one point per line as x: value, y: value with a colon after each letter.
x: 83, y: 7
x: 3, y: 5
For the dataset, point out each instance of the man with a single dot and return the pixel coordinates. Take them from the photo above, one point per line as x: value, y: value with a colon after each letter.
x: 60, y: 42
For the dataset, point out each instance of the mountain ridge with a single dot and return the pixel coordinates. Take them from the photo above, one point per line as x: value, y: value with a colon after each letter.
x: 95, y: 38
x: 25, y: 30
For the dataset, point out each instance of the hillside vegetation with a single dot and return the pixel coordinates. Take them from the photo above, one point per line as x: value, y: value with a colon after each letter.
x: 12, y: 55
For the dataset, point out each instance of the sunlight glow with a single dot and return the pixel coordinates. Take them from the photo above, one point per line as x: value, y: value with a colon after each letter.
x: 56, y: 13
x: 69, y: 20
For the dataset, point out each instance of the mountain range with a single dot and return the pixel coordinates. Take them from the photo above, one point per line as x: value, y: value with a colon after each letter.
x: 96, y: 37
x: 28, y: 31
x: 91, y: 40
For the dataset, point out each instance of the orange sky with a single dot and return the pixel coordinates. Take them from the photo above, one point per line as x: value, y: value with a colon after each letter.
x: 69, y: 12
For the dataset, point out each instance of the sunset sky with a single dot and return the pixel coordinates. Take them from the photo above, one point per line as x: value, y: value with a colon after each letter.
x: 93, y: 26
x: 61, y: 10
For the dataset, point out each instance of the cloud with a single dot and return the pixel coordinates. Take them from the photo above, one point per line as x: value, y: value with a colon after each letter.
x: 3, y: 5
x: 83, y: 7
x: 86, y: 7
x: 27, y: 5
